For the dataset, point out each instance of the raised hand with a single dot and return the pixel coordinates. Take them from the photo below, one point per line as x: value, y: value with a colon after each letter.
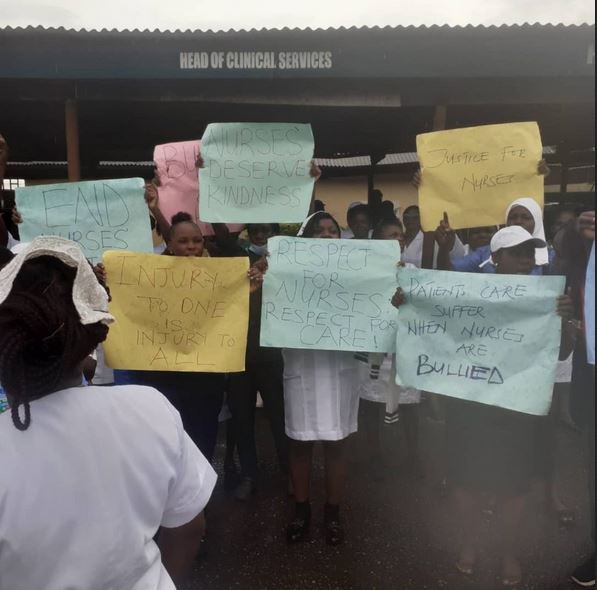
x: 565, y: 306
x: 256, y: 278
x: 417, y: 179
x: 315, y: 171
x: 151, y: 196
x: 16, y: 216
x: 399, y: 298
x: 99, y: 270
x: 543, y: 168
x: 444, y: 236
x: 586, y: 225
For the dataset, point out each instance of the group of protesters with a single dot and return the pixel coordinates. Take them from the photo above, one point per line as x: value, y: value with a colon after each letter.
x: 105, y: 475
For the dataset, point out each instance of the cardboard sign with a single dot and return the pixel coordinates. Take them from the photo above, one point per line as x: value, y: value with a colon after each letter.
x: 177, y: 313
x: 99, y: 215
x: 256, y: 173
x: 474, y: 174
x: 330, y: 294
x: 494, y: 339
x: 179, y: 184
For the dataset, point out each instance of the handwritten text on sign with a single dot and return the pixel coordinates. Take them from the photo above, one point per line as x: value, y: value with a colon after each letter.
x: 179, y: 186
x: 493, y: 339
x: 99, y: 215
x: 177, y: 314
x: 474, y: 174
x: 256, y: 173
x: 330, y: 295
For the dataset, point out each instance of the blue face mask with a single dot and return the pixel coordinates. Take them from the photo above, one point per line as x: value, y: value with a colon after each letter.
x: 258, y: 250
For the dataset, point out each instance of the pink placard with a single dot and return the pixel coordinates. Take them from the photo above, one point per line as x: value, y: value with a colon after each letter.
x: 179, y: 184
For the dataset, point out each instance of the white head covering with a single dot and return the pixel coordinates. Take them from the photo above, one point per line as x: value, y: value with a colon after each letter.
x: 512, y: 236
x: 19, y: 247
x: 541, y: 254
x: 89, y: 297
x: 306, y: 222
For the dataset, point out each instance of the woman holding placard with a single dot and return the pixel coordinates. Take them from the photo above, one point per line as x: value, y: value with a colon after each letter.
x: 197, y: 396
x: 321, y: 403
x: 382, y: 401
x: 491, y: 449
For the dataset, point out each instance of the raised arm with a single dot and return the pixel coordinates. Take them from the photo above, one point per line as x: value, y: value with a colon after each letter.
x: 570, y: 328
x: 445, y: 238
x: 314, y: 172
x: 153, y: 203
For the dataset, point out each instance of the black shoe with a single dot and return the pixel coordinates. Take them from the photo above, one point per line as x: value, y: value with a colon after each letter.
x: 298, y: 529
x: 585, y: 574
x: 245, y: 489
x: 334, y: 533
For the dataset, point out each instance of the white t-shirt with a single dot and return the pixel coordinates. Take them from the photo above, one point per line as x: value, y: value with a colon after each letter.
x: 11, y: 243
x: 347, y: 234
x: 413, y: 253
x: 103, y: 374
x: 84, y: 490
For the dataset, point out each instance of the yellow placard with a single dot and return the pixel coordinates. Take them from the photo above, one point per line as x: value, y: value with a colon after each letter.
x: 474, y: 174
x: 177, y: 313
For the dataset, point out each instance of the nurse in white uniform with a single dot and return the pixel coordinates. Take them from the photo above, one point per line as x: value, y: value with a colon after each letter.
x: 321, y: 403
x: 87, y: 475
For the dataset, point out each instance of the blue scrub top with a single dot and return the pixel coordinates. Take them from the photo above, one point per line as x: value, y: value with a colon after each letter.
x: 472, y: 262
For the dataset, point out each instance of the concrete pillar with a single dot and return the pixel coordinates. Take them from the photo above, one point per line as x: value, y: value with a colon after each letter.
x: 73, y: 157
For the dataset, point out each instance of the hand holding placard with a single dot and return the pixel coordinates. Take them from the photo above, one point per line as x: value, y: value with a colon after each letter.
x: 330, y: 294
x: 178, y: 187
x: 177, y: 313
x: 480, y: 337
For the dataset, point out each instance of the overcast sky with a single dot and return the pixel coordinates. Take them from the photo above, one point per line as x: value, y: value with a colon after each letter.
x: 246, y: 14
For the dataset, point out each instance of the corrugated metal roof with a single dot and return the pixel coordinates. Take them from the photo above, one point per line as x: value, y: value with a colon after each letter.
x: 433, y: 28
x: 125, y: 163
x: 38, y: 163
x: 343, y: 162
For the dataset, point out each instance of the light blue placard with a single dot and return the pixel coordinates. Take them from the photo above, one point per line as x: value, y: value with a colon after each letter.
x: 256, y: 173
x: 493, y: 339
x: 590, y: 308
x: 99, y: 215
x: 330, y: 294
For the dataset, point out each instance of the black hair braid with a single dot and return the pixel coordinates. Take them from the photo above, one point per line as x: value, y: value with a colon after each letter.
x: 378, y: 231
x: 42, y: 340
x: 181, y: 217
x: 313, y: 223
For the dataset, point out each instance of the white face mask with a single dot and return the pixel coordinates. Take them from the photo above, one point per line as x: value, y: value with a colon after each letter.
x: 258, y: 250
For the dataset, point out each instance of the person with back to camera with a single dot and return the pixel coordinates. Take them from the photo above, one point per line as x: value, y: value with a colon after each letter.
x: 88, y: 476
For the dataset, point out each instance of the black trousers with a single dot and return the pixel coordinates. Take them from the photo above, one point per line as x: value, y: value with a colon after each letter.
x: 197, y: 396
x: 267, y: 379
x: 583, y: 412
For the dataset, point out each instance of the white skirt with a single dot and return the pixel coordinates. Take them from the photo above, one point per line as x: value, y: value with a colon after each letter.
x: 321, y: 398
x: 564, y: 371
x: 384, y: 389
